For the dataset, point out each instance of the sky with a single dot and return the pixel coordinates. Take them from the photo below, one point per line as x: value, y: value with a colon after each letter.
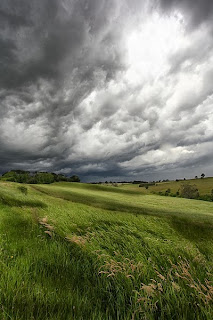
x: 107, y: 89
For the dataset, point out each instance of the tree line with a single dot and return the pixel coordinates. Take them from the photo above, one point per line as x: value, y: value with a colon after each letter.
x: 22, y: 176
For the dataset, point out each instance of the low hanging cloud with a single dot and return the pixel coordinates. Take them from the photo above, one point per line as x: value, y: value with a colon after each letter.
x: 107, y: 89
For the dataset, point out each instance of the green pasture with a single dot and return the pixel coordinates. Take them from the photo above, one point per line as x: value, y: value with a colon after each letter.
x: 204, y: 186
x: 80, y: 251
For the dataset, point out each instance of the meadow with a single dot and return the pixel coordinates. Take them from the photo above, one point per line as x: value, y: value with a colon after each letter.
x: 82, y: 251
x: 204, y: 186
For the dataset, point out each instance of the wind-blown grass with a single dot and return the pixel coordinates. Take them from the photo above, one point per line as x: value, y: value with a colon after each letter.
x: 108, y: 255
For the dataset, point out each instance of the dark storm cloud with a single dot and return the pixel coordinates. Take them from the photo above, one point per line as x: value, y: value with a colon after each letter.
x: 70, y: 100
x: 51, y: 33
x: 53, y: 53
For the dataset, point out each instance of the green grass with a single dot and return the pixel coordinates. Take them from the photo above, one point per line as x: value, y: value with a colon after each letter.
x: 114, y: 253
x: 204, y: 186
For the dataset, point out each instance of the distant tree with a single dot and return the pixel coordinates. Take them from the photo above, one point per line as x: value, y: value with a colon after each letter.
x: 196, y: 177
x: 16, y: 176
x: 74, y: 179
x: 61, y: 177
x: 21, y: 176
x: 44, y: 177
x: 202, y: 175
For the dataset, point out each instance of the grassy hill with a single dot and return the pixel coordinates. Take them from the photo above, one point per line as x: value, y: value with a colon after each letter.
x: 80, y: 251
x: 204, y: 186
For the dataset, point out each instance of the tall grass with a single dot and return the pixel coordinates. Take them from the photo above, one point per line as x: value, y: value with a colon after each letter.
x: 123, y: 256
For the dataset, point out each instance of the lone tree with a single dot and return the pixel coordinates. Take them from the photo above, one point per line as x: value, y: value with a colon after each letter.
x: 196, y: 177
x: 202, y: 175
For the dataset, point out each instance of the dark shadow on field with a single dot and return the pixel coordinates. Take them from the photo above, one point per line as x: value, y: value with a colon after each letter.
x: 14, y: 202
x: 191, y: 228
x: 198, y: 232
x: 97, y: 201
x: 110, y: 189
x: 103, y: 188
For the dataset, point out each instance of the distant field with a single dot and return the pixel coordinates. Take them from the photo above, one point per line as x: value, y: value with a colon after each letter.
x: 81, y: 251
x: 204, y: 186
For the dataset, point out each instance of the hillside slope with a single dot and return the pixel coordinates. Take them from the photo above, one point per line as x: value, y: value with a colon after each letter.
x: 79, y: 251
x: 204, y: 186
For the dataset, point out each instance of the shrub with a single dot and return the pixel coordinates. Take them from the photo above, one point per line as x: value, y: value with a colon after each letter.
x: 115, y: 184
x: 172, y: 195
x: 189, y: 191
x: 205, y: 197
x: 23, y: 190
x: 146, y: 184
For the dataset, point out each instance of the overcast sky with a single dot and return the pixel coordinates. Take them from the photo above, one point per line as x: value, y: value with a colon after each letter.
x: 107, y: 89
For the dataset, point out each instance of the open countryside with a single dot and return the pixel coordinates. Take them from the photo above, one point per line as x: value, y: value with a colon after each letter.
x: 85, y: 251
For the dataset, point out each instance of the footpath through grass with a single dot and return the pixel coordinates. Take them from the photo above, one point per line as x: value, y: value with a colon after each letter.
x: 77, y: 251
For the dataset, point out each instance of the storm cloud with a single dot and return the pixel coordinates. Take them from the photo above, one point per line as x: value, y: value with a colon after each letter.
x: 107, y: 89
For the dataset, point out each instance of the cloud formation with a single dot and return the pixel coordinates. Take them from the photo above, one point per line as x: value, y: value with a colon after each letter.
x: 107, y: 89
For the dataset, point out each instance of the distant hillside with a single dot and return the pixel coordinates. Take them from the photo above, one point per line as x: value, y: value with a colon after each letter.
x: 204, y: 185
x: 203, y: 188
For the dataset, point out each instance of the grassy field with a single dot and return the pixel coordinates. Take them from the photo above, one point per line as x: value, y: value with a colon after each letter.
x: 204, y: 186
x: 79, y: 251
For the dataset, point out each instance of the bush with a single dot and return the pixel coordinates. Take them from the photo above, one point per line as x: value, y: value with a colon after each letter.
x: 115, y: 184
x: 205, y: 197
x: 172, y: 195
x: 189, y: 191
x: 168, y: 191
x: 23, y: 190
x: 146, y: 184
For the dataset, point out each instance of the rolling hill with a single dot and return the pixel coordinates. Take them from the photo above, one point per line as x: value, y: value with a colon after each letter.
x: 83, y: 251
